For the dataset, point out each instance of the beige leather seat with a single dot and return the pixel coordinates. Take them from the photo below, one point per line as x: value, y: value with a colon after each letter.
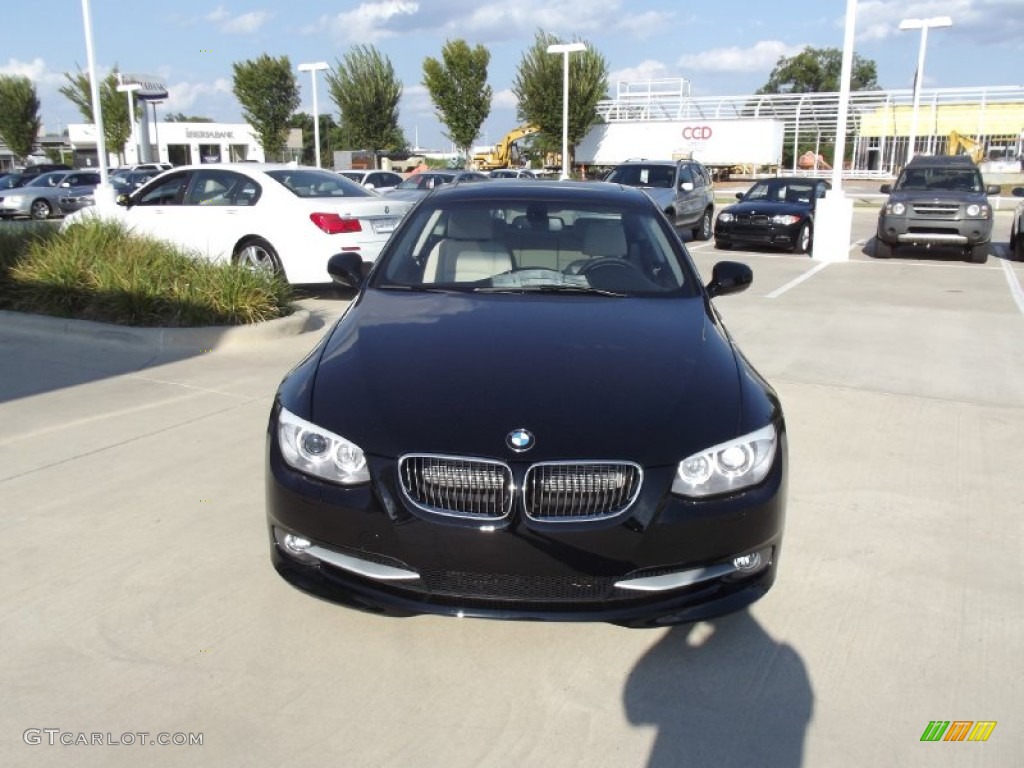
x: 469, y: 252
x: 604, y: 239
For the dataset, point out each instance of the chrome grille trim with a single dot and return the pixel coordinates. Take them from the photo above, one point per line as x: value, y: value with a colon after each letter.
x: 457, y: 486
x: 576, y: 491
x: 936, y: 209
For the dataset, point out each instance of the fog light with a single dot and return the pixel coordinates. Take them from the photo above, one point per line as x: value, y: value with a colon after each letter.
x: 748, y: 562
x: 295, y: 546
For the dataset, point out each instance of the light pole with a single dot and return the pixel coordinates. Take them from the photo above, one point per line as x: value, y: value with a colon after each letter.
x: 130, y: 88
x: 104, y: 193
x: 156, y: 127
x: 565, y: 49
x: 924, y: 25
x: 313, y: 68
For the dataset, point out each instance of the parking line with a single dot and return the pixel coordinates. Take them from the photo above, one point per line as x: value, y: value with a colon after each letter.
x: 1015, y: 290
x: 793, y: 283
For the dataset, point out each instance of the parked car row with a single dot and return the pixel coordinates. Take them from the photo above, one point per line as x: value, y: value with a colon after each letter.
x: 281, y: 218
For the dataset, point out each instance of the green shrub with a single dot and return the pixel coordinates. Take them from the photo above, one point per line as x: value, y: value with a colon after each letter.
x: 100, y: 271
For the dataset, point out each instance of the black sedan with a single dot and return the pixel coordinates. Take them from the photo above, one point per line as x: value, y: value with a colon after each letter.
x: 777, y: 213
x: 531, y: 409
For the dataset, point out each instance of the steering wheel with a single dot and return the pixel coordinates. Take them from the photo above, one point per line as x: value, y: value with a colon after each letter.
x: 593, y: 265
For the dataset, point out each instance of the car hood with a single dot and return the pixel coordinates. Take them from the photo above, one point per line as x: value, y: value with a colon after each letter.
x: 663, y: 196
x: 767, y: 208
x: 649, y: 380
x: 939, y: 195
x: 411, y: 195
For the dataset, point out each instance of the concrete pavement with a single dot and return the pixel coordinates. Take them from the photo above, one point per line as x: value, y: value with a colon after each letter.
x: 139, y: 597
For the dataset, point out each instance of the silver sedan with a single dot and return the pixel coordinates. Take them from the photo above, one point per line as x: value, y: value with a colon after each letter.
x: 41, y: 197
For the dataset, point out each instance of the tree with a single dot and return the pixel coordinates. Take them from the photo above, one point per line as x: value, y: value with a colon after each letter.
x: 458, y: 87
x: 19, y: 114
x: 538, y: 86
x: 267, y: 90
x: 181, y: 117
x: 328, y: 133
x: 817, y: 70
x: 364, y: 86
x: 117, y: 128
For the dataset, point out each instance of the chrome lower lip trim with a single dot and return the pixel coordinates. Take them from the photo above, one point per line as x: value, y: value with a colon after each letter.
x: 667, y: 581
x: 360, y: 567
x: 925, y: 237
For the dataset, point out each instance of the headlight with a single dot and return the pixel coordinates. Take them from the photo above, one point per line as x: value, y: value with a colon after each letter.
x: 897, y: 209
x: 727, y: 467
x: 725, y: 218
x: 785, y: 219
x: 315, y: 451
x: 976, y: 211
x: 14, y: 199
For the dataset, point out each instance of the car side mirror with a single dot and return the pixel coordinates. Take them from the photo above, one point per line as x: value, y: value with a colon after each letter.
x: 885, y: 189
x: 729, y: 277
x: 346, y: 269
x: 993, y: 189
x: 739, y: 195
x: 124, y: 200
x: 686, y: 186
x: 1018, y: 192
x: 369, y: 185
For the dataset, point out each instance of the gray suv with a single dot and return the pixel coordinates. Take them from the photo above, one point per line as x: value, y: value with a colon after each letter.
x: 681, y: 188
x: 937, y: 201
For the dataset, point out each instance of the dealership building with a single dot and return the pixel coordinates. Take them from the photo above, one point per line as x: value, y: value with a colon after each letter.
x: 174, y: 143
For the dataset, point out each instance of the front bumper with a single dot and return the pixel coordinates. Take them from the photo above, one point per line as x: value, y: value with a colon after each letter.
x: 931, y: 232
x: 666, y: 561
x: 772, y: 236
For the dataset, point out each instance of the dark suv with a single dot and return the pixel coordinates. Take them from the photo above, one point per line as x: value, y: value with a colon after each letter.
x: 681, y: 188
x: 937, y: 201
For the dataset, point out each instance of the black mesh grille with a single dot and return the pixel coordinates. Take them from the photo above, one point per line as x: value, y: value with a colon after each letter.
x: 580, y: 491
x: 473, y: 488
x: 503, y: 586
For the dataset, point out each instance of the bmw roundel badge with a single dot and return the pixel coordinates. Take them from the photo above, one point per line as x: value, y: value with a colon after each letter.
x: 520, y: 440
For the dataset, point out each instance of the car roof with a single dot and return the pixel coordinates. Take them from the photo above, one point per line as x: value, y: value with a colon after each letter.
x: 595, y: 192
x: 941, y: 160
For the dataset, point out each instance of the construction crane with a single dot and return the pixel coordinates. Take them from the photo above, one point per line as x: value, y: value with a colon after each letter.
x: 959, y: 144
x: 501, y: 157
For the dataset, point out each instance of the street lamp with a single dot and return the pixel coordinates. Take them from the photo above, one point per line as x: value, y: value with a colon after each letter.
x: 565, y: 49
x: 130, y: 88
x: 156, y: 126
x: 924, y: 25
x: 313, y: 68
x: 104, y: 193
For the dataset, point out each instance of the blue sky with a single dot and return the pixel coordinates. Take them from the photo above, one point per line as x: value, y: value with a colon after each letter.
x: 723, y: 47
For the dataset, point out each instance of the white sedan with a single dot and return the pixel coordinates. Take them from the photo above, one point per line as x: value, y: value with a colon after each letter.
x: 289, y: 219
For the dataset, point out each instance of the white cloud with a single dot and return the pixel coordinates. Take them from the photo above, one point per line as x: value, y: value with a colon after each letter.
x: 245, y: 24
x: 759, y: 57
x: 505, y: 99
x: 34, y: 70
x: 368, y: 22
x: 181, y: 96
x: 219, y: 14
x: 645, y: 70
x: 984, y: 21
x: 643, y: 25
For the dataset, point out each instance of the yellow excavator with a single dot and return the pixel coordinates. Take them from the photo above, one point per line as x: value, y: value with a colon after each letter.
x: 959, y: 144
x: 501, y: 157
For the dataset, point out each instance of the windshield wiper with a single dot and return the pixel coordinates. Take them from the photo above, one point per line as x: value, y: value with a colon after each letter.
x: 549, y: 289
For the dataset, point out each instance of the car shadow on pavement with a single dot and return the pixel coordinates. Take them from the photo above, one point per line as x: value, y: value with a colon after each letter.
x: 722, y: 693
x: 938, y: 254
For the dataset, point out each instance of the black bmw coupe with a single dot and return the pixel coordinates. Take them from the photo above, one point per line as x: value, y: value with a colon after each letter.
x: 777, y: 213
x: 531, y: 409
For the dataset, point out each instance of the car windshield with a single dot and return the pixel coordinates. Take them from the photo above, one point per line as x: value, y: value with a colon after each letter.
x: 527, y: 246
x: 637, y: 175
x: 964, y: 179
x: 781, y: 190
x: 310, y: 182
x: 424, y: 181
x: 50, y: 179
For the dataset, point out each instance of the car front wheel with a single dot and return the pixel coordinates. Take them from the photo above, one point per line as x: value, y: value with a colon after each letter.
x: 703, y: 229
x: 882, y: 249
x: 802, y: 244
x: 259, y: 256
x: 1017, y: 246
x: 978, y: 254
x: 41, y: 210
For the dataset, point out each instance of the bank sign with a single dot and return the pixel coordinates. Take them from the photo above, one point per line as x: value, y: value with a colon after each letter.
x: 150, y: 87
